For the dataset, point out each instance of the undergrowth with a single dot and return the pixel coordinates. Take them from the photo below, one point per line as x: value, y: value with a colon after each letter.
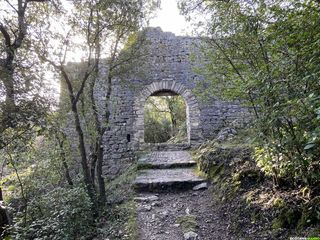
x: 256, y: 207
x: 119, y: 219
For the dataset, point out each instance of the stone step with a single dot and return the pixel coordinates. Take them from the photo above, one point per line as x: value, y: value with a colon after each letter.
x: 160, y: 165
x: 166, y: 160
x: 166, y: 179
x: 165, y: 146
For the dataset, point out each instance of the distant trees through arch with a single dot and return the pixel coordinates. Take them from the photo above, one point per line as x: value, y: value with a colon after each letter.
x: 165, y: 118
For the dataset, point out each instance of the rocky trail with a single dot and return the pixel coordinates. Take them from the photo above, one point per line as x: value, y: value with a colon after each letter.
x: 173, y: 202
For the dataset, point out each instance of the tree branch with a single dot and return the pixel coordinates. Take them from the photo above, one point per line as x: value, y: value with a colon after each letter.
x: 6, y: 35
x: 83, y: 83
x: 38, y: 1
x: 11, y: 5
x: 229, y: 60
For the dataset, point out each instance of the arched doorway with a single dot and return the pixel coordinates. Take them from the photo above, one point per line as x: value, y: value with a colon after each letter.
x: 194, y: 133
x: 165, y: 118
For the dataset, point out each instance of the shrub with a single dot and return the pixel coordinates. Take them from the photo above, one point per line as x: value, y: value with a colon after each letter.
x: 64, y: 213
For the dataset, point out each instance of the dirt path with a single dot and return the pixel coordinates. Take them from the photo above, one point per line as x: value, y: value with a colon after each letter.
x: 160, y: 215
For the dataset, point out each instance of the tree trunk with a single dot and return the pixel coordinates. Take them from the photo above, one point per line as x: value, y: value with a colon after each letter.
x: 4, y: 219
x: 6, y: 75
x: 85, y: 168
x: 101, y: 184
x: 8, y: 84
x: 64, y: 161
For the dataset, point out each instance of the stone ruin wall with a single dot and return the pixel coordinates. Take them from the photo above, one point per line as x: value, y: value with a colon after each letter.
x: 166, y: 67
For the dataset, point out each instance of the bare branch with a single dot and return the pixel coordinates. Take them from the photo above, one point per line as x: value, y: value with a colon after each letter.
x: 11, y: 5
x: 66, y: 49
x: 83, y: 83
x: 6, y: 35
x: 38, y: 1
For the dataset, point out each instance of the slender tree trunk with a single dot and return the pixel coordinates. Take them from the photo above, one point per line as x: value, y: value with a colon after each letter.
x: 85, y: 168
x: 101, y: 184
x: 172, y: 116
x: 23, y: 194
x: 64, y: 160
x: 9, y: 88
x: 97, y: 158
x: 93, y: 161
x: 6, y: 76
x: 74, y: 99
x: 67, y: 173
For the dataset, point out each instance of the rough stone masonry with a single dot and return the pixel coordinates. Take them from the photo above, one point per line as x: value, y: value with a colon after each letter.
x: 166, y: 67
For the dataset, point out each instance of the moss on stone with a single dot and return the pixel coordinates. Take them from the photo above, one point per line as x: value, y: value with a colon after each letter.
x: 188, y: 223
x: 131, y: 225
x: 215, y: 171
x: 248, y: 177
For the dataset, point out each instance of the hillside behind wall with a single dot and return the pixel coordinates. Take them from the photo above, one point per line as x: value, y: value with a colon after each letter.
x: 166, y: 58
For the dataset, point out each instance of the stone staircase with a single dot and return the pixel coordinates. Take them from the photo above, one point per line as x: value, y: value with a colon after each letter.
x: 166, y: 171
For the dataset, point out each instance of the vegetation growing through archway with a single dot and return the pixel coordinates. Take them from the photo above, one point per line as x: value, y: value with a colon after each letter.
x: 165, y: 119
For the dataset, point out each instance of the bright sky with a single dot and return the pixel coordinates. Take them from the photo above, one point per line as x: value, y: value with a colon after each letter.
x: 170, y: 20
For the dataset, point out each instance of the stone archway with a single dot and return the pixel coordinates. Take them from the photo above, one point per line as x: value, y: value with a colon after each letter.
x: 192, y: 110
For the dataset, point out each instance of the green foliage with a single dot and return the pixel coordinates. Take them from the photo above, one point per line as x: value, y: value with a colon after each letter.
x: 310, y: 213
x: 33, y: 166
x: 278, y: 202
x: 165, y: 119
x: 265, y: 53
x: 120, y: 189
x: 34, y: 151
x: 120, y: 216
x: 34, y: 191
x: 250, y: 195
x: 230, y: 168
x: 59, y: 214
x: 288, y: 218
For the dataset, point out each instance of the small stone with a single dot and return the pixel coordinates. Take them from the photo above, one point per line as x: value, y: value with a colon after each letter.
x: 140, y: 208
x: 165, y: 213
x: 155, y: 204
x: 147, y: 198
x: 187, y: 211
x: 148, y: 207
x: 153, y: 198
x: 200, y: 186
x: 176, y: 225
x: 153, y: 216
x: 191, y: 236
